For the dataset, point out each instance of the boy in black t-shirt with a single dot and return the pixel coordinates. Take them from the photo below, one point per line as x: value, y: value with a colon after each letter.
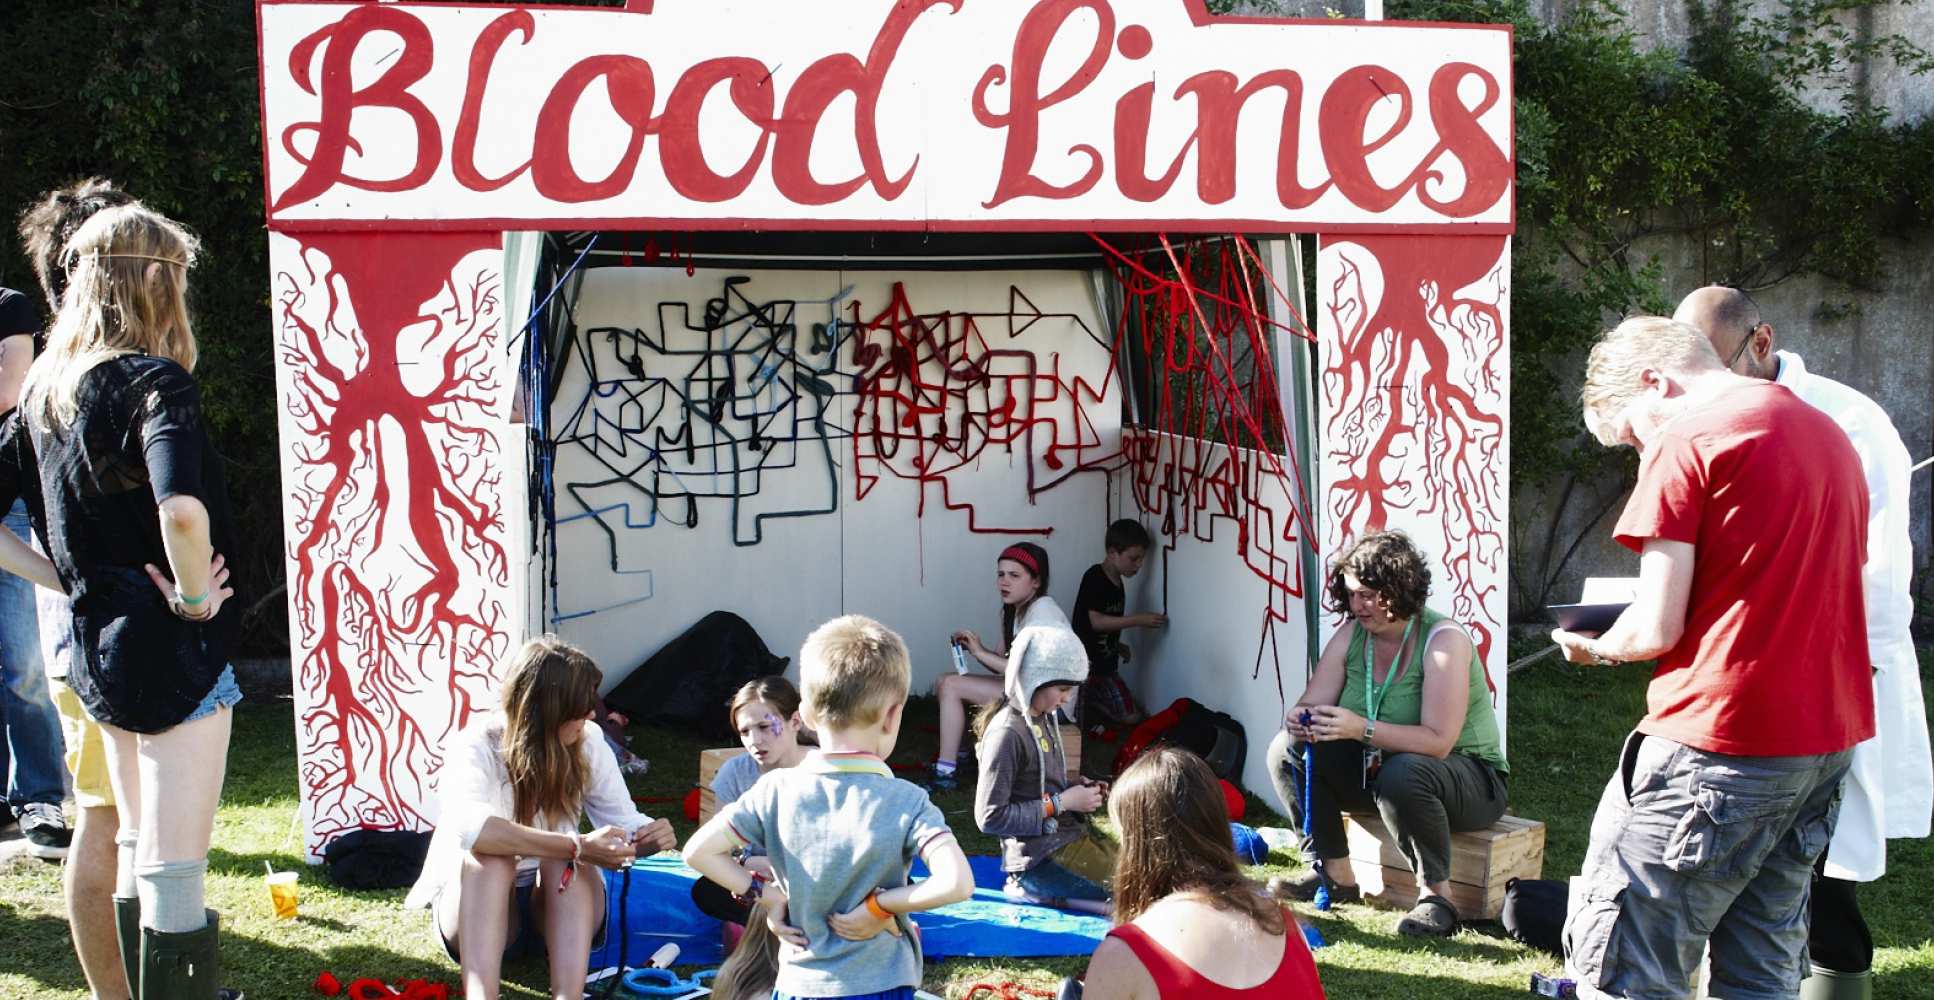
x: 1098, y: 620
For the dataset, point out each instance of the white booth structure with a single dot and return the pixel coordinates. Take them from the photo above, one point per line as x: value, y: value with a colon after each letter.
x: 593, y: 321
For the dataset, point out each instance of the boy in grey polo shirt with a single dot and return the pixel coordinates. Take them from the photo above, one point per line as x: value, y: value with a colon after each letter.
x: 841, y: 830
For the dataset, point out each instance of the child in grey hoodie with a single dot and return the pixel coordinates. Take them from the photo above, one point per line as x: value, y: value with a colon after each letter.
x: 1050, y: 854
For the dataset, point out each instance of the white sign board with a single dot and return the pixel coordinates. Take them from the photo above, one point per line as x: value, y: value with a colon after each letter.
x: 877, y: 114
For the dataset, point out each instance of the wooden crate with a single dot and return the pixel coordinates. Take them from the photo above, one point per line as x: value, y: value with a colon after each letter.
x: 1071, y: 746
x: 1482, y: 861
x: 709, y: 762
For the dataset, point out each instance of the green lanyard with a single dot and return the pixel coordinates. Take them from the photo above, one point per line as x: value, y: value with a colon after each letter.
x: 1372, y: 695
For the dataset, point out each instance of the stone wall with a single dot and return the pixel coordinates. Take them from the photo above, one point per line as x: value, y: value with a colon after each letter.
x: 1879, y: 343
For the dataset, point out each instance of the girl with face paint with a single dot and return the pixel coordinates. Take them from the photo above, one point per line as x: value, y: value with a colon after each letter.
x: 765, y: 714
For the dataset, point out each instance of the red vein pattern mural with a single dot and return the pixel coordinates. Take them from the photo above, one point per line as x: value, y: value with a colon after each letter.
x: 390, y: 375
x: 1414, y: 391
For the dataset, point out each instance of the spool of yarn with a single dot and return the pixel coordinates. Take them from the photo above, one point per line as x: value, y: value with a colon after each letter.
x: 1251, y: 849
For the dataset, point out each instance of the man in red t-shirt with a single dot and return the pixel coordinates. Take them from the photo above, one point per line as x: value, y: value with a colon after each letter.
x: 1750, y: 520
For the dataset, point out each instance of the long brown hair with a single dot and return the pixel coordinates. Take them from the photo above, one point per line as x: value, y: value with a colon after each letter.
x: 1174, y: 828
x: 127, y: 293
x: 547, y: 685
x: 753, y: 968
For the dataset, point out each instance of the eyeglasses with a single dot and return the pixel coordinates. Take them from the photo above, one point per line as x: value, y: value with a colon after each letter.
x: 1751, y: 332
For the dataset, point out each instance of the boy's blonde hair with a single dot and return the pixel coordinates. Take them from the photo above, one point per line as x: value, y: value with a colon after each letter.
x: 1613, y: 375
x: 851, y: 670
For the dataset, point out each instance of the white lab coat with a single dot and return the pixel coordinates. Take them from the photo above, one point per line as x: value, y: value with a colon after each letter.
x: 1890, y: 790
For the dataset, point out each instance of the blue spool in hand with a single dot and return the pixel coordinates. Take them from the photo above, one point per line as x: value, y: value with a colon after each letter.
x: 1309, y: 781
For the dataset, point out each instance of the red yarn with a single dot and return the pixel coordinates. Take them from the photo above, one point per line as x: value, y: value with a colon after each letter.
x: 1237, y: 804
x: 1007, y: 991
x: 409, y: 989
x: 327, y: 984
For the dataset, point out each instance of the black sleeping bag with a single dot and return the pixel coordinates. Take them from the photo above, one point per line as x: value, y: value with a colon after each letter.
x: 690, y: 682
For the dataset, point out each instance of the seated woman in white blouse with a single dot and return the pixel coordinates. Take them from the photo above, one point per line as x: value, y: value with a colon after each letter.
x: 508, y: 873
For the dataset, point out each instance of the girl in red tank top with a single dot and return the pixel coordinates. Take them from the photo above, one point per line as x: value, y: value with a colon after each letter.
x: 1174, y: 829
x: 1295, y: 976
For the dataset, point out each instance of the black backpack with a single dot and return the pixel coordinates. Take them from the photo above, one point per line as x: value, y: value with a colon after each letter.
x: 1534, y: 913
x: 691, y: 680
x: 376, y: 859
x: 1214, y: 736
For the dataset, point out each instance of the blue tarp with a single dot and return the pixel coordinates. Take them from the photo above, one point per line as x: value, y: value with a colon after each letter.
x: 658, y: 909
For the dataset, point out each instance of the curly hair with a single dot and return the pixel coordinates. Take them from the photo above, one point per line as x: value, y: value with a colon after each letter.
x: 1386, y: 562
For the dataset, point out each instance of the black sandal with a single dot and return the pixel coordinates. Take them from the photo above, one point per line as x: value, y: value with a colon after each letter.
x: 1433, y: 916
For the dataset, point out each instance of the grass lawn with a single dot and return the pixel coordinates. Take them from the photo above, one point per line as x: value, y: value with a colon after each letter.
x: 1565, y: 732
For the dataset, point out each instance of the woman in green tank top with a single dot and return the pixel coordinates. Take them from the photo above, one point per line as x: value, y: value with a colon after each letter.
x: 1397, y: 721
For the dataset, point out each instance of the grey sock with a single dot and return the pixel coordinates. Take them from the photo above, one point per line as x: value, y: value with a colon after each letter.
x: 124, y: 841
x: 171, y: 895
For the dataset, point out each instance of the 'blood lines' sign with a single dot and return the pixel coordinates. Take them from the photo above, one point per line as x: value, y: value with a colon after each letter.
x: 915, y: 114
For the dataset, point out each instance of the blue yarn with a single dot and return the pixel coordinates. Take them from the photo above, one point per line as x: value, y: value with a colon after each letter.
x: 665, y: 982
x: 1309, y: 781
x: 1251, y: 849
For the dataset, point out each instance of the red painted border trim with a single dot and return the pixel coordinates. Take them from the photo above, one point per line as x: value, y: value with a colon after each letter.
x: 1199, y: 15
x: 674, y: 224
x: 1198, y: 12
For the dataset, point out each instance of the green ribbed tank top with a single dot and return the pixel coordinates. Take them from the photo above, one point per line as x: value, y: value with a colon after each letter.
x: 1403, y: 703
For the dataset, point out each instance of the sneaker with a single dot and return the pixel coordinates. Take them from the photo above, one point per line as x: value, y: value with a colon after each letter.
x: 45, y: 829
x: 1303, y: 887
x: 634, y: 766
x: 939, y: 781
x: 1017, y: 893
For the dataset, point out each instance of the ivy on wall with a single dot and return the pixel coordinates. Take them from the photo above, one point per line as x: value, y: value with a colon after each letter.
x: 161, y: 96
x: 1618, y: 143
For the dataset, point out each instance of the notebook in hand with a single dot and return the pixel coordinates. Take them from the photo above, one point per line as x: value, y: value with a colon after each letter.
x: 1586, y: 617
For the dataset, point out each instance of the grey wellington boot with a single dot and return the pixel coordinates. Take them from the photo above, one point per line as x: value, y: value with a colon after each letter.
x: 1826, y: 984
x: 127, y: 926
x: 184, y: 966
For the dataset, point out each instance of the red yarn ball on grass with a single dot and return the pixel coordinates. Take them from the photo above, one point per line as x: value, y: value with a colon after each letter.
x: 1237, y: 805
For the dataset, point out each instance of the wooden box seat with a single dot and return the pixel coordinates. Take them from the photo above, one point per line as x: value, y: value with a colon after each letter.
x: 1482, y: 861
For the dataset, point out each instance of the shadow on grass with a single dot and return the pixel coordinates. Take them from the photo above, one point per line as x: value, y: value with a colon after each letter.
x: 1477, y: 943
x: 38, y: 947
x: 221, y: 862
x: 1379, y: 983
x: 41, y: 951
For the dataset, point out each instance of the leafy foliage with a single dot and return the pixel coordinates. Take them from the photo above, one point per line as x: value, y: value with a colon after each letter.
x: 1618, y: 144
x: 161, y: 96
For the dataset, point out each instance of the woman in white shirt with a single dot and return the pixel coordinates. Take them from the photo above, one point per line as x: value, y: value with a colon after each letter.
x: 508, y: 873
x: 1021, y: 577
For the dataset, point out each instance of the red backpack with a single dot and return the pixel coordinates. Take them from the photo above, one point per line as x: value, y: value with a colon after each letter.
x: 1216, y: 737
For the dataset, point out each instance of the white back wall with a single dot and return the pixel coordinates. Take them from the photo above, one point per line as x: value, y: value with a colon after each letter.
x: 879, y: 447
x: 1231, y: 584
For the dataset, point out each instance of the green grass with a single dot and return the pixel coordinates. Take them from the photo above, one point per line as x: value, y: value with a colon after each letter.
x: 1565, y: 733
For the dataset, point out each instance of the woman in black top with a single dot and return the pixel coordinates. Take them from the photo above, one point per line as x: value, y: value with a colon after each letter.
x: 108, y: 445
